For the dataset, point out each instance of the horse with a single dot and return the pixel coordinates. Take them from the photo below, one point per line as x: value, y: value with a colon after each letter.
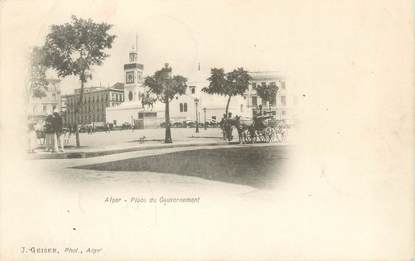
x: 249, y: 130
x: 240, y: 126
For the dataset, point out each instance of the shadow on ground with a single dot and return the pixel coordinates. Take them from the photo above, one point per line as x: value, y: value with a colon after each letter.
x: 253, y: 166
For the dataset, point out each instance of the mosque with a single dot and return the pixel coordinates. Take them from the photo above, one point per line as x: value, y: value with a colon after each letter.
x: 191, y: 106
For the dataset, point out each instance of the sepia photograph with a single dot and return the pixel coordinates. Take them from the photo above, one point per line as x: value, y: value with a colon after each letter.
x: 214, y: 130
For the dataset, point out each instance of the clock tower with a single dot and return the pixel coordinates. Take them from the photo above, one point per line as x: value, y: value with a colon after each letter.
x: 133, y: 72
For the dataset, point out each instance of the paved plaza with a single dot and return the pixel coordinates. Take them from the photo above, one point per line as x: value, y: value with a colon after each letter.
x: 148, y: 136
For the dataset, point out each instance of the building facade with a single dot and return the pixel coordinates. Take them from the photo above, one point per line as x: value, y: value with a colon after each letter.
x: 94, y: 104
x: 283, y: 105
x: 195, y: 104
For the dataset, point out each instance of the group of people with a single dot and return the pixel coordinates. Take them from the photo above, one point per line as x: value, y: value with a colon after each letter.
x: 225, y: 125
x: 54, y: 133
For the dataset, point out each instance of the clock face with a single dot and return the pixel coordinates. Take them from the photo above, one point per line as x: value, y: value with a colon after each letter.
x: 129, y: 77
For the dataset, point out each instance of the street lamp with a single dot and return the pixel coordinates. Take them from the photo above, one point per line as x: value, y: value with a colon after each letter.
x: 204, y: 112
x: 197, y: 121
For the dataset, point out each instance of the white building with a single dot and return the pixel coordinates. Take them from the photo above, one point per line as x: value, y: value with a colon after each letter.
x: 40, y: 107
x: 132, y: 111
x: 194, y: 101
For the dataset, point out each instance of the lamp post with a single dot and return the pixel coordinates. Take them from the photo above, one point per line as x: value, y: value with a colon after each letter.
x: 204, y: 112
x: 197, y: 121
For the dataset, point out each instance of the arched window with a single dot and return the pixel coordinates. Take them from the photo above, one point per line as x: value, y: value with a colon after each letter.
x: 181, y: 107
x: 185, y: 107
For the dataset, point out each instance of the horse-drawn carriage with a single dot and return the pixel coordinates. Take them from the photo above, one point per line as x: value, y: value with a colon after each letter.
x: 261, y: 128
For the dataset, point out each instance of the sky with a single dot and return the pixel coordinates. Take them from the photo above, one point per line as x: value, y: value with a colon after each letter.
x: 336, y: 53
x: 226, y: 34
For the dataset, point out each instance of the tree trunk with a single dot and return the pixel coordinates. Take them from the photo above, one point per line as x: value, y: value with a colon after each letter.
x: 167, y: 138
x: 227, y: 107
x: 81, y: 96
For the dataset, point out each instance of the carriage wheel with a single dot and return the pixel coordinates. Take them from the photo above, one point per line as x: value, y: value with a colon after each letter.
x: 268, y: 134
x: 247, y: 136
x: 273, y: 135
x: 278, y: 135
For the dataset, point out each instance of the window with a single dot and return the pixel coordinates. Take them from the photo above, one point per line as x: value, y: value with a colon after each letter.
x: 193, y: 89
x: 254, y: 101
x: 181, y: 107
x: 284, y: 113
x: 129, y: 77
x: 253, y: 85
x: 283, y: 101
x: 242, y: 108
x: 44, y: 108
x: 185, y: 107
x: 133, y: 57
x: 130, y: 95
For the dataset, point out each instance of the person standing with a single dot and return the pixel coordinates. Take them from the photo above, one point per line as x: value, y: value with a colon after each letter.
x: 50, y: 134
x: 58, y: 127
x: 32, y: 137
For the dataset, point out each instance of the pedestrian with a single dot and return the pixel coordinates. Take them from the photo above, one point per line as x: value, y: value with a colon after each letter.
x: 32, y: 137
x: 222, y: 126
x: 58, y: 127
x: 50, y: 134
x: 68, y: 134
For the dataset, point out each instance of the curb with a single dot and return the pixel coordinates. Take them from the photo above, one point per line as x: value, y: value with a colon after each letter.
x: 90, y: 154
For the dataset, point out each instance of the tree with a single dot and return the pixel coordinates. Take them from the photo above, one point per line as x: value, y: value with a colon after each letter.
x: 228, y: 84
x: 38, y: 83
x: 267, y: 92
x: 166, y: 87
x: 74, y: 48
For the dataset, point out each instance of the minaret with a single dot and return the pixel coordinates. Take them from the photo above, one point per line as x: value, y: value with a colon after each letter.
x: 133, y: 76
